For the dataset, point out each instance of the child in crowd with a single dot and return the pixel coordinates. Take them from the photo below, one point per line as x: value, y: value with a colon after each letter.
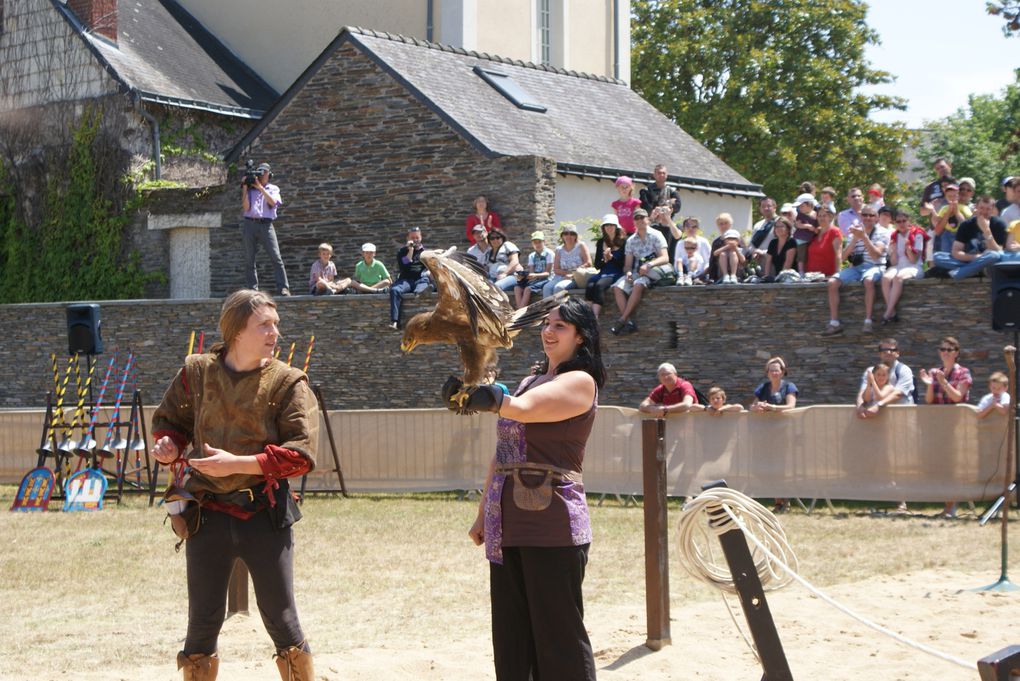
x: 534, y: 277
x: 694, y: 267
x: 806, y: 228
x: 827, y: 197
x: 876, y: 196
x: 717, y: 402
x: 947, y: 218
x: 876, y: 387
x: 997, y: 400
x: 626, y: 204
x: 370, y: 275
x: 322, y: 280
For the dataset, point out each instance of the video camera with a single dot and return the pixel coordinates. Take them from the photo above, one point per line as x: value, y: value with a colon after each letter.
x: 251, y: 175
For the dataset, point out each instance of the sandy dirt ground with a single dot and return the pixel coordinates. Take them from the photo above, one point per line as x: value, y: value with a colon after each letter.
x: 937, y: 609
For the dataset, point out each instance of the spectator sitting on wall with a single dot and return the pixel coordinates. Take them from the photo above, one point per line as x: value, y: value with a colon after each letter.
x: 827, y: 197
x: 694, y: 268
x: 979, y: 243
x: 876, y: 197
x: 865, y: 249
x: 967, y: 189
x: 645, y: 249
x: 948, y: 383
x: 413, y: 276
x: 572, y: 254
x: 370, y: 275
x: 660, y: 194
x: 609, y: 260
x: 717, y: 405
x: 479, y: 250
x: 503, y: 260
x: 727, y: 252
x: 691, y: 230
x: 323, y: 278
x: 906, y: 249
x: 626, y: 204
x: 761, y: 233
x: 932, y: 198
x: 852, y: 215
x: 805, y: 228
x: 948, y: 218
x: 481, y: 216
x: 533, y: 278
x: 673, y: 395
x: 885, y: 218
x: 996, y: 401
x: 1008, y: 193
x: 782, y: 252
x: 1011, y: 213
x: 825, y: 253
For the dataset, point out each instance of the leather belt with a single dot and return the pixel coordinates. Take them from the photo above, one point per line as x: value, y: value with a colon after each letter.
x: 261, y: 221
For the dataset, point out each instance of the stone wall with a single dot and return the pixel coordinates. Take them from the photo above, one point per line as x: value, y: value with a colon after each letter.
x: 713, y: 334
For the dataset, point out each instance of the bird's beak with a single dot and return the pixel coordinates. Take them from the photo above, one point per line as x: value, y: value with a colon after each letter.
x: 407, y: 346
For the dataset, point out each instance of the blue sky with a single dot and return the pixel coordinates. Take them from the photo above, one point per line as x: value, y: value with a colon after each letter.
x: 940, y: 51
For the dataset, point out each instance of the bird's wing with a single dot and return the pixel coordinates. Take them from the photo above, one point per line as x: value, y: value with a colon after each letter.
x: 466, y: 296
x: 534, y: 314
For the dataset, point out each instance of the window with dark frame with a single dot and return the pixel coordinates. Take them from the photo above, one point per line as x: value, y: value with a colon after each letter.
x: 511, y: 89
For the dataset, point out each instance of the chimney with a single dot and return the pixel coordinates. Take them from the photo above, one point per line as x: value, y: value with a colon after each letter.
x: 98, y: 16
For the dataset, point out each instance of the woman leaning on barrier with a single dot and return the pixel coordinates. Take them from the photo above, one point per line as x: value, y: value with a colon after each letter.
x: 251, y: 422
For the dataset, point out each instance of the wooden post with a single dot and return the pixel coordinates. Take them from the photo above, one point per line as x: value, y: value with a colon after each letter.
x: 653, y: 466
x: 237, y: 590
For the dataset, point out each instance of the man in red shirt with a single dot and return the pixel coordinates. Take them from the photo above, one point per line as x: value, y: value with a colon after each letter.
x: 673, y: 394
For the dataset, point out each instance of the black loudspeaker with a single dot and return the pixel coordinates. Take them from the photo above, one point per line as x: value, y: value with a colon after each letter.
x: 1006, y: 296
x: 83, y: 329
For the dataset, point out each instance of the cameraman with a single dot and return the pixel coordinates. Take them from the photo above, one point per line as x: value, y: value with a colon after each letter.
x: 259, y: 200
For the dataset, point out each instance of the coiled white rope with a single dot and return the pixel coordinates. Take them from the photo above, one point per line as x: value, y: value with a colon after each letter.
x: 774, y: 560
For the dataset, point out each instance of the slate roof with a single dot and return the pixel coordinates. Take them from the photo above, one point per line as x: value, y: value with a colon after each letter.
x: 593, y: 125
x: 168, y: 57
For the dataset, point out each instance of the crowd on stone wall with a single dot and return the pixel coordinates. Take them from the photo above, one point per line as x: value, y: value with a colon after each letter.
x: 646, y: 242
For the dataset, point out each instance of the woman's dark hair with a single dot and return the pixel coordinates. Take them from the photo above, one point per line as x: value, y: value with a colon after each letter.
x: 785, y: 222
x: 579, y: 314
x: 619, y: 238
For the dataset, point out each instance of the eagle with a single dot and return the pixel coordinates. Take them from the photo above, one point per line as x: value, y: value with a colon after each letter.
x: 471, y: 313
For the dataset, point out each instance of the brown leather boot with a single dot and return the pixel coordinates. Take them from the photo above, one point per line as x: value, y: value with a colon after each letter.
x: 295, y: 664
x: 198, y: 667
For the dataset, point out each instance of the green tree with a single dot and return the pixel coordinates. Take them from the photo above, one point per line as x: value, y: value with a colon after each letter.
x: 979, y: 139
x: 772, y: 87
x: 1009, y: 10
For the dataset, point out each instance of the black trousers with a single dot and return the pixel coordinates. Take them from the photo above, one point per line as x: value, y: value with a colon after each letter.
x: 538, y: 629
x: 269, y: 555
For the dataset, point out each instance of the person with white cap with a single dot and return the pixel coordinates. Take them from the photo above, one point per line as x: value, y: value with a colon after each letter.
x: 645, y: 250
x: 479, y: 250
x: 609, y: 260
x: 1007, y: 195
x: 370, y: 275
x: 536, y: 273
x: 260, y: 200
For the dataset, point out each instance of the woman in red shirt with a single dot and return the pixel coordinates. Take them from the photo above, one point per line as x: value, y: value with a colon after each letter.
x: 824, y: 251
x: 481, y: 216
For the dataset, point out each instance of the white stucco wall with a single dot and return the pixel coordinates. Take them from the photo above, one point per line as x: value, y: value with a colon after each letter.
x: 586, y: 198
x: 43, y: 61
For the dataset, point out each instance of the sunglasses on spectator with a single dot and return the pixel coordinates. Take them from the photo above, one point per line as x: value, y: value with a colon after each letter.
x: 949, y: 349
x: 869, y: 215
x: 495, y: 238
x: 887, y: 349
